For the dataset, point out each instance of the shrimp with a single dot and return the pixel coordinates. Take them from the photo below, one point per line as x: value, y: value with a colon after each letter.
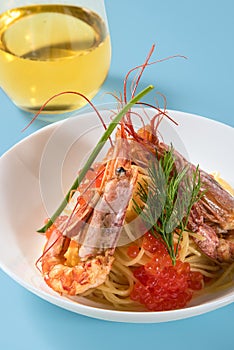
x: 212, y: 217
x: 93, y: 228
x: 72, y: 280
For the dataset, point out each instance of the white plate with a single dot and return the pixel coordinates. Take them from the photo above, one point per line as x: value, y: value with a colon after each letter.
x: 36, y: 173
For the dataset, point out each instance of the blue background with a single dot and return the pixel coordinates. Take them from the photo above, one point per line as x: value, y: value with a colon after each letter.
x: 203, y: 84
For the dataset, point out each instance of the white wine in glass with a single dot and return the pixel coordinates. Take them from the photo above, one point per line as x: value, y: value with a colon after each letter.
x: 49, y: 47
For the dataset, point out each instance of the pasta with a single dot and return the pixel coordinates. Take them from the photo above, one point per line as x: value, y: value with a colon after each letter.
x: 116, y: 290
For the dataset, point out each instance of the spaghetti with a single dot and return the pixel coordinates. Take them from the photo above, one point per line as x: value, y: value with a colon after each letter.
x: 118, y: 290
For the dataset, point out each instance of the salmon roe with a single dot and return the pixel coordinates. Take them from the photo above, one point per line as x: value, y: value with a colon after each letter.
x: 161, y: 285
x: 133, y: 251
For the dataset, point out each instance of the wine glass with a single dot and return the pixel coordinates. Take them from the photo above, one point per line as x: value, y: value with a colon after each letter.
x: 49, y: 47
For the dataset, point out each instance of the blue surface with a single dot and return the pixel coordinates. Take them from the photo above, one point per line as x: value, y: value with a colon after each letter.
x: 203, y: 84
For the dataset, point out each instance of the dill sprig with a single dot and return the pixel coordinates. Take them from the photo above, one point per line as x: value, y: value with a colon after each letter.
x: 167, y: 199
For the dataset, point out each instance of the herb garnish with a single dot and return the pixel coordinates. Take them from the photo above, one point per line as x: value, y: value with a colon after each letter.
x: 167, y: 199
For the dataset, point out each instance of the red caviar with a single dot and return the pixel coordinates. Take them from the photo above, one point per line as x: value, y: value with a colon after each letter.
x: 162, y: 286
x: 133, y: 251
